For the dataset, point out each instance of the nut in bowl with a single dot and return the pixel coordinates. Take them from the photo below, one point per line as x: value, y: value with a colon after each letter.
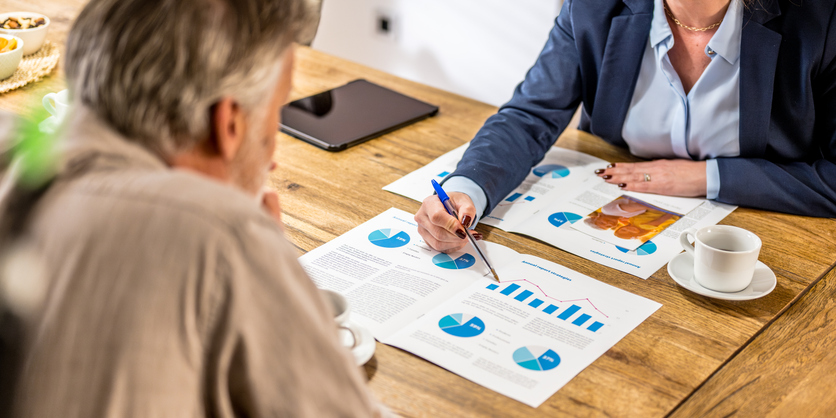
x: 11, y: 52
x: 30, y: 27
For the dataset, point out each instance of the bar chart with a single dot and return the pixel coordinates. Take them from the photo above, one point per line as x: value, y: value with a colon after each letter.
x: 516, y: 196
x: 565, y: 310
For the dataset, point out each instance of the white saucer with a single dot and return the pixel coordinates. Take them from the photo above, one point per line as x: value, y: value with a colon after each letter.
x: 681, y: 269
x: 364, y: 350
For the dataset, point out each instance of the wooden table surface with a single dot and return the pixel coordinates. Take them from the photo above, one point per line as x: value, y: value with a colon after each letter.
x: 695, y: 356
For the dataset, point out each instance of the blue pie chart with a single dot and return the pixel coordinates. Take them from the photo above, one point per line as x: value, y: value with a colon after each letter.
x: 645, y: 249
x: 536, y: 358
x: 445, y: 261
x: 462, y: 325
x: 560, y: 218
x: 555, y: 171
x: 388, y: 238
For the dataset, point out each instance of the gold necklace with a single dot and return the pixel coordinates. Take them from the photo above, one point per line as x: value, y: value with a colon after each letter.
x: 691, y: 28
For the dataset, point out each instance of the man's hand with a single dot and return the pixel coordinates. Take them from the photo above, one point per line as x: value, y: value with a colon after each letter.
x: 270, y: 203
x: 667, y: 177
x: 442, y: 231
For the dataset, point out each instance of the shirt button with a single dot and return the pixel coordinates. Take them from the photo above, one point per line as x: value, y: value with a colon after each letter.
x: 711, y: 51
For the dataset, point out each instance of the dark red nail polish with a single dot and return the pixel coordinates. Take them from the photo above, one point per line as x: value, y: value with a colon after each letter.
x: 477, y: 236
x: 466, y: 221
x: 460, y: 233
x: 622, y: 185
x: 611, y: 165
x: 599, y: 171
x: 607, y: 177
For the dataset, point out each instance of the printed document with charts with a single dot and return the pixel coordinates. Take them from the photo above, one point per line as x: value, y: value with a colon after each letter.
x: 524, y: 338
x: 562, y: 190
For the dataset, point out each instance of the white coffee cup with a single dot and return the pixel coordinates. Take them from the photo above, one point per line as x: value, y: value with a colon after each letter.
x: 57, y: 104
x: 724, y: 256
x: 341, y: 309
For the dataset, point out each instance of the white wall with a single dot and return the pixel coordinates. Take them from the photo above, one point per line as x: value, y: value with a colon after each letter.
x: 477, y: 48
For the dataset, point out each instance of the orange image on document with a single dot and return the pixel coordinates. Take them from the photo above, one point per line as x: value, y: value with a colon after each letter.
x: 627, y: 222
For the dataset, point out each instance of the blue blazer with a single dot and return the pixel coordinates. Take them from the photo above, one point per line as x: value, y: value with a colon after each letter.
x: 787, y: 159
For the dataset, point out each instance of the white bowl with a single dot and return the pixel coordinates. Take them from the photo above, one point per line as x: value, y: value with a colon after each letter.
x: 33, y: 38
x: 10, y: 60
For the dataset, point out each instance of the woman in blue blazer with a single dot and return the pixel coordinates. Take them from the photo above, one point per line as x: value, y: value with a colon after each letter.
x: 730, y: 99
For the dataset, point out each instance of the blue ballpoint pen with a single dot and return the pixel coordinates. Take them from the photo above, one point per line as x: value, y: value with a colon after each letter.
x: 445, y: 200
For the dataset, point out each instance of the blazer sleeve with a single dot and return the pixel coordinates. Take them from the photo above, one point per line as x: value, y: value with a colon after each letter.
x: 797, y: 187
x: 522, y: 131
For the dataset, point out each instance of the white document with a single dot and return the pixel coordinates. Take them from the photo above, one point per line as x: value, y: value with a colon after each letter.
x: 524, y: 338
x: 560, y: 197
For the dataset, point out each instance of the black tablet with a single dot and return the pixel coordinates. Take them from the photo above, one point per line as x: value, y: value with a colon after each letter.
x: 351, y: 114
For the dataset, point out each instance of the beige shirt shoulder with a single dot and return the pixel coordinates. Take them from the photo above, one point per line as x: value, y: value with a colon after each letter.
x: 170, y: 294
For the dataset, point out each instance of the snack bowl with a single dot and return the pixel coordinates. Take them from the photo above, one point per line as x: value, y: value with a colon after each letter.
x: 33, y: 38
x: 11, y: 59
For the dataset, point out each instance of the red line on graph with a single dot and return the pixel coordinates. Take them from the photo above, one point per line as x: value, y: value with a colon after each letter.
x: 555, y: 299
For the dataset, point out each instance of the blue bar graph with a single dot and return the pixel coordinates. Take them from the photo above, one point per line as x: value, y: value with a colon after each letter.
x: 443, y: 173
x: 529, y: 198
x: 550, y: 309
x: 535, y: 303
x: 513, y: 197
x: 581, y: 319
x: 569, y: 312
x: 510, y: 289
x: 492, y: 286
x: 523, y: 295
x: 595, y: 326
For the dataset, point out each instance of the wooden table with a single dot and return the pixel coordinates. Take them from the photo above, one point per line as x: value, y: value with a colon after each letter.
x: 695, y: 356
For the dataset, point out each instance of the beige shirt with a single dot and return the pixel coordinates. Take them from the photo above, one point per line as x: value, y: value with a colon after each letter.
x: 172, y: 295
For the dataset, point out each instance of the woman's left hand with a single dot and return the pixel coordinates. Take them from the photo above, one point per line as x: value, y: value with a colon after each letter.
x: 665, y: 177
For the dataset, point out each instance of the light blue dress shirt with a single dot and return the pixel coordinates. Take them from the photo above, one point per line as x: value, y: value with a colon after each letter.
x: 663, y: 121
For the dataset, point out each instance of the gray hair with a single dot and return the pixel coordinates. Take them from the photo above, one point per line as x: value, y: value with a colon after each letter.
x: 153, y: 69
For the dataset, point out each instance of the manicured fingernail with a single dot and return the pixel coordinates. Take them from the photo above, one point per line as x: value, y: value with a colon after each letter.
x: 477, y: 236
x: 607, y: 177
x: 622, y: 185
x: 466, y: 221
x: 611, y: 165
x: 599, y: 171
x: 460, y: 233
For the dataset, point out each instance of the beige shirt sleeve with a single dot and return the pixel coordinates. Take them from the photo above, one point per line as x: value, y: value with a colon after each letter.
x: 273, y: 348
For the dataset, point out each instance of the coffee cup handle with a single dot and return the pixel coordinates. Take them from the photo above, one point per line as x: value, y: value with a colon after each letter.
x: 686, y: 242
x: 353, y: 333
x: 48, y: 103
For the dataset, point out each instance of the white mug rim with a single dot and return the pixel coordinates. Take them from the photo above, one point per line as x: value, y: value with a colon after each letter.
x: 706, y: 230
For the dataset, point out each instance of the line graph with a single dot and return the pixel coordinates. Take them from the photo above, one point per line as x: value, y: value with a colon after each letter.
x: 513, y: 287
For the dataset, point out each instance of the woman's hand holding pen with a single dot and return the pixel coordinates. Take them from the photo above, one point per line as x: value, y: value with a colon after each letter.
x: 442, y: 231
x: 665, y: 177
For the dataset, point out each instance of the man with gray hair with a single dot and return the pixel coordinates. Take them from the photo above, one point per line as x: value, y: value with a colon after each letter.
x: 170, y: 289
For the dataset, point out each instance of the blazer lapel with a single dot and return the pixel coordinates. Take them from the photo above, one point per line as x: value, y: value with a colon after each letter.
x: 619, y: 71
x: 758, y: 58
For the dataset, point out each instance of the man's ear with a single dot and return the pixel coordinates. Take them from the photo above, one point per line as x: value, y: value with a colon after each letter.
x: 227, y: 123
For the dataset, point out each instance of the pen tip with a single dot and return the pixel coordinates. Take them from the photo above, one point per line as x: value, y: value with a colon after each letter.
x: 494, y: 275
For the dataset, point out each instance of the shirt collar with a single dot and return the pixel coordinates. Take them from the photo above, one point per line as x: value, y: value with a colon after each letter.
x: 725, y: 42
x: 85, y: 136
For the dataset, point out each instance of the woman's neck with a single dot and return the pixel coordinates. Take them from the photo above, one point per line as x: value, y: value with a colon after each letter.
x: 698, y: 13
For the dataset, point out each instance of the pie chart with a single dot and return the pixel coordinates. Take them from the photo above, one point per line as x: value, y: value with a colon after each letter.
x: 645, y: 249
x: 536, y: 358
x: 555, y: 171
x: 462, y: 325
x: 388, y: 238
x: 445, y: 261
x: 560, y: 218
